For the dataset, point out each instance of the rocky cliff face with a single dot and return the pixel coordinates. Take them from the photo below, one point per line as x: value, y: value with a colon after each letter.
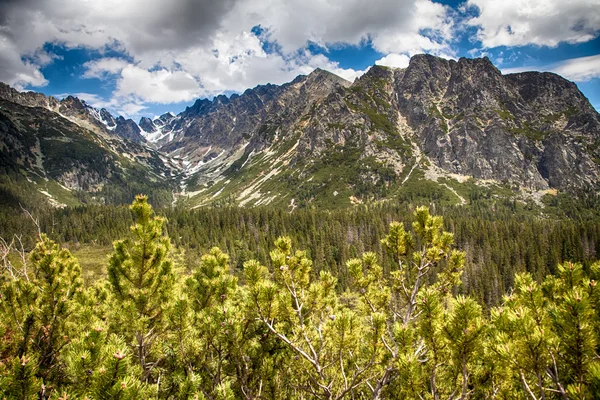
x: 128, y: 129
x: 147, y: 125
x: 321, y: 140
x: 29, y: 99
x: 472, y: 120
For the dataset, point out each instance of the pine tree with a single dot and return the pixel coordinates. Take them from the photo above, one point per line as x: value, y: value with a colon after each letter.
x: 524, y: 339
x: 37, y: 308
x: 323, y: 335
x: 141, y: 281
x: 419, y: 258
x: 212, y: 291
x: 100, y: 366
x: 575, y: 324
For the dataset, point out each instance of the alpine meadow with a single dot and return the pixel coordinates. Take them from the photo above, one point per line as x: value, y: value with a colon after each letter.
x: 268, y: 199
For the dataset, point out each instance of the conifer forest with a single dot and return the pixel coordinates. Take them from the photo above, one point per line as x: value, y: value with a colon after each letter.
x: 387, y: 302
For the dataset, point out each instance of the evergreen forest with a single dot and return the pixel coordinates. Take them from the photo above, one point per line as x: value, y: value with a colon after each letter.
x: 385, y: 302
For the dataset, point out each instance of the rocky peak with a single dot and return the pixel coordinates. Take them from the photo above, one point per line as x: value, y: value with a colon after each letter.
x: 27, y: 99
x: 78, y: 110
x: 221, y: 99
x: 322, y: 76
x: 107, y: 118
x: 199, y: 108
x: 426, y: 76
x: 471, y: 120
x: 375, y: 77
x: 316, y: 86
x: 72, y: 106
x: 147, y: 125
x: 128, y: 129
x: 261, y: 94
x: 163, y: 119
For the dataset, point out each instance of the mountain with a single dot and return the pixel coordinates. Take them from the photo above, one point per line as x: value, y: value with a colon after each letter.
x: 67, y: 151
x: 438, y: 129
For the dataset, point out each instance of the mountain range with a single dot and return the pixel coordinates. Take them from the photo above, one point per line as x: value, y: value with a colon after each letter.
x: 438, y: 129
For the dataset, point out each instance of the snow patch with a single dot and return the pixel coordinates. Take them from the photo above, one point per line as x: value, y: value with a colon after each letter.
x: 247, y: 159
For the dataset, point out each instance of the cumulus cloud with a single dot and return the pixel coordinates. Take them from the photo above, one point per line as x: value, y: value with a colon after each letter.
x: 394, y: 60
x: 232, y: 65
x: 398, y: 26
x: 138, y: 25
x: 131, y: 110
x: 202, y: 46
x: 15, y: 71
x: 579, y: 69
x: 536, y: 22
x: 103, y: 67
x: 160, y: 86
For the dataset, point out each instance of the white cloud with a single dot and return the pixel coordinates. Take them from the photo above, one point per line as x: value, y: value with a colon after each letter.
x: 131, y: 110
x: 537, y: 22
x: 104, y: 66
x: 391, y: 26
x: 394, y: 60
x: 15, y: 71
x: 203, y: 47
x: 579, y: 69
x: 575, y: 69
x: 242, y: 63
x: 160, y: 86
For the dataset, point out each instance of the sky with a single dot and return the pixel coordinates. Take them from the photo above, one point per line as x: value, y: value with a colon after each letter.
x: 146, y: 57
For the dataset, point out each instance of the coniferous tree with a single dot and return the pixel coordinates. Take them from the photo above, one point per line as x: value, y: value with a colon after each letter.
x: 37, y: 308
x: 140, y: 272
x: 389, y: 324
x: 324, y: 336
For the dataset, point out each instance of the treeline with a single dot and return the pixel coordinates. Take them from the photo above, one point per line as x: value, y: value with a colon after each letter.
x: 499, y: 241
x: 397, y: 328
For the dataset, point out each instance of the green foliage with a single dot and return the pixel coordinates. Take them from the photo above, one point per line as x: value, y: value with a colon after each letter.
x: 547, y: 333
x: 100, y: 365
x: 505, y: 114
x: 37, y: 306
x: 390, y: 324
x: 18, y: 379
x: 141, y: 280
x: 529, y: 131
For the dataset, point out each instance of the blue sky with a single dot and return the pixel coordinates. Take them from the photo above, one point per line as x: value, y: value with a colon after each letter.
x: 146, y: 57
